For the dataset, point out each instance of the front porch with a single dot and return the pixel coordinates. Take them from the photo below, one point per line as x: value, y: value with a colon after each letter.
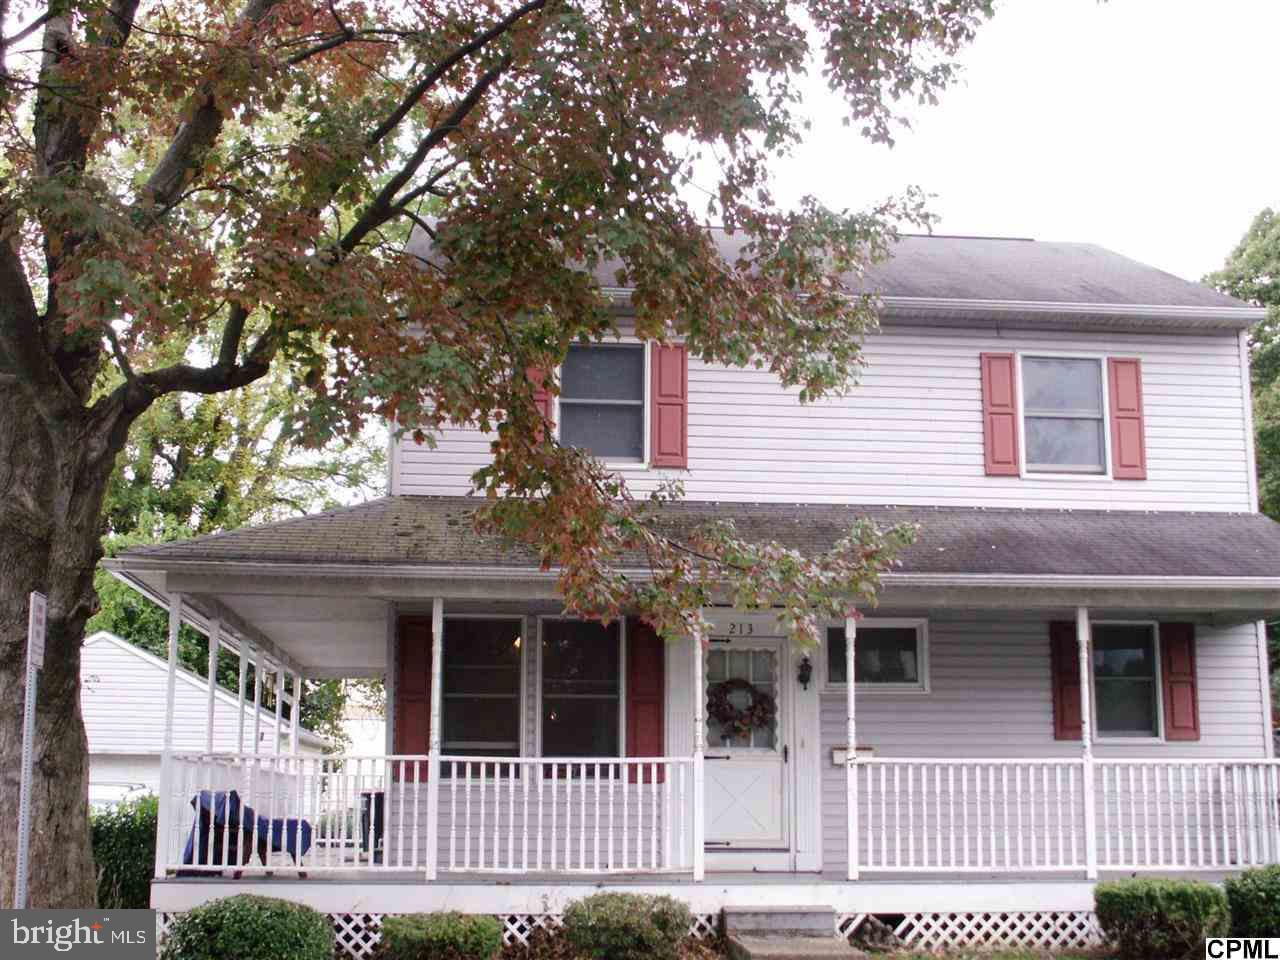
x: 793, y: 802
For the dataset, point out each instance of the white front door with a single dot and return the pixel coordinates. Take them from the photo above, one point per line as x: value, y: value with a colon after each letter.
x: 746, y: 802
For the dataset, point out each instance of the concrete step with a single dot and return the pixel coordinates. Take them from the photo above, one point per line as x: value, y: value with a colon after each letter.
x: 760, y: 947
x: 813, y: 921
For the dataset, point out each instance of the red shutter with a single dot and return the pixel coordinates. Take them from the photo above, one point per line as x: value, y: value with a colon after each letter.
x: 1000, y: 414
x: 669, y: 406
x: 645, y: 701
x: 1065, y: 656
x: 1178, y: 666
x: 413, y: 689
x: 1128, y: 438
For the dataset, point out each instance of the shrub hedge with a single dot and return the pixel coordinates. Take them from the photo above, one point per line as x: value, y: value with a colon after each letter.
x: 1153, y: 919
x: 124, y: 852
x: 247, y: 927
x: 1254, y: 897
x: 440, y: 936
x: 627, y: 926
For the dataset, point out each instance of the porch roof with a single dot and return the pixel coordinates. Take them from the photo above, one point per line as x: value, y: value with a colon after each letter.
x: 319, y: 590
x: 436, y: 535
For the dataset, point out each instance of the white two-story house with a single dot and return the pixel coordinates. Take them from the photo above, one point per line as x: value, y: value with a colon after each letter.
x: 1066, y: 679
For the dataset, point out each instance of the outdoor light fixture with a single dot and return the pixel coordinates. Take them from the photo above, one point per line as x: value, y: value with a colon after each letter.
x: 805, y: 673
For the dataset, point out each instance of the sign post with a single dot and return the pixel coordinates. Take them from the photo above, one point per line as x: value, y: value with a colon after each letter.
x: 35, y: 662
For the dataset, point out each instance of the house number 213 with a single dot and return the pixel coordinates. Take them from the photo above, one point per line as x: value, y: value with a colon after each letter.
x: 741, y: 629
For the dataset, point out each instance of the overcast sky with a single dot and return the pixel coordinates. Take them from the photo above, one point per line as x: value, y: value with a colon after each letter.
x: 1151, y: 127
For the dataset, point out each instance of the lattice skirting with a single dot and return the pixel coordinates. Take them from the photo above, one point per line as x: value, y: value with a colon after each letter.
x: 358, y: 933
x: 1053, y: 930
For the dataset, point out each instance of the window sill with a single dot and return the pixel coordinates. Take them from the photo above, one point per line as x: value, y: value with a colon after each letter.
x: 1077, y: 477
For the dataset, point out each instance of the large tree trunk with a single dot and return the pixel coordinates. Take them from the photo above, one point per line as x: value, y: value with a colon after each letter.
x: 51, y: 495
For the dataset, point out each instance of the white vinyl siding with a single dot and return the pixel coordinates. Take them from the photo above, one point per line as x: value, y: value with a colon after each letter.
x: 991, y: 696
x: 911, y: 432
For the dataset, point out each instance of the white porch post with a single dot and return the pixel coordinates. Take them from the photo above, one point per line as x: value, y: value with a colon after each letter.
x: 295, y: 714
x: 433, y: 741
x: 257, y: 700
x: 215, y: 638
x: 1086, y: 745
x: 699, y: 764
x: 279, y: 725
x: 851, y: 754
x: 244, y: 677
x: 166, y: 758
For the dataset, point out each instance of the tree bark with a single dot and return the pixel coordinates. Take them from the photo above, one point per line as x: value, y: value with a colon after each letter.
x: 51, y: 491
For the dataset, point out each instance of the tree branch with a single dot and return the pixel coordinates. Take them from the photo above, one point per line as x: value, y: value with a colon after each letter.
x: 198, y: 134
x: 383, y: 207
x: 418, y: 90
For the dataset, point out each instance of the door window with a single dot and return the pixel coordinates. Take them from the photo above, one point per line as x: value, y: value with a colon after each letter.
x: 760, y: 669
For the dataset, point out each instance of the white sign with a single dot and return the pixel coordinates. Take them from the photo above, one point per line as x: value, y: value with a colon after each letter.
x: 35, y: 662
x: 36, y: 630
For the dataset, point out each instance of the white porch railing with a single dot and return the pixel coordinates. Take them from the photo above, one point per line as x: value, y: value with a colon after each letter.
x: 971, y: 815
x: 1187, y: 814
x: 257, y: 813
x: 566, y: 816
x: 1023, y: 816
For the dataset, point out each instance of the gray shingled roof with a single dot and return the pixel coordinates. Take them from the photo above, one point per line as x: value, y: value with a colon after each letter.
x: 437, y: 532
x: 991, y: 268
x: 1017, y: 269
x: 1001, y: 269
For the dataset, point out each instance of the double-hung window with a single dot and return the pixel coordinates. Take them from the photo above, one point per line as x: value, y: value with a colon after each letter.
x: 480, y: 708
x: 890, y: 656
x: 581, y: 689
x: 1126, y: 680
x: 1063, y: 418
x: 602, y: 401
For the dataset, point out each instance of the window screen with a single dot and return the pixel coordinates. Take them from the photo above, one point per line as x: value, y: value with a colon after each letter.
x: 1124, y: 680
x: 885, y: 655
x: 481, y: 678
x: 1062, y: 415
x: 581, y: 671
x: 602, y: 401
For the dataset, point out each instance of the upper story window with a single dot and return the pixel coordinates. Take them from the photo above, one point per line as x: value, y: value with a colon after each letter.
x: 602, y: 401
x: 890, y: 656
x: 1063, y: 415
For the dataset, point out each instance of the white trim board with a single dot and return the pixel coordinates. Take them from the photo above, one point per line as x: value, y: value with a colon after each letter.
x: 469, y: 894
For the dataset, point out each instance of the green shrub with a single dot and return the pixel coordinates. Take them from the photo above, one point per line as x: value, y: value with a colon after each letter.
x: 124, y: 852
x: 246, y: 927
x: 440, y: 936
x: 627, y: 926
x: 1254, y: 897
x: 1153, y: 919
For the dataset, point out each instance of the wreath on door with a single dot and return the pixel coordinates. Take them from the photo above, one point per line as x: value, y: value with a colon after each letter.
x: 740, y: 721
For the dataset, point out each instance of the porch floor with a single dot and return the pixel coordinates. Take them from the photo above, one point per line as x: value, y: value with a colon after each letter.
x: 542, y: 894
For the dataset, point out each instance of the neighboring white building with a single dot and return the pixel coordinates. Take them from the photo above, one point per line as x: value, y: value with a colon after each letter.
x: 123, y: 700
x: 365, y: 725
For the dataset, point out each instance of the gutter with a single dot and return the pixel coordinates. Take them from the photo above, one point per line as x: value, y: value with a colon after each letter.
x: 1043, y: 311
x: 123, y: 569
